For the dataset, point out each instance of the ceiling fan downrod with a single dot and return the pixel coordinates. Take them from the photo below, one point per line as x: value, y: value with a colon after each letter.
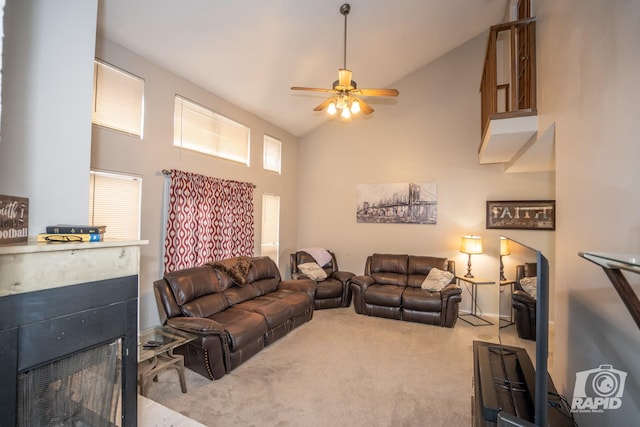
x: 344, y: 9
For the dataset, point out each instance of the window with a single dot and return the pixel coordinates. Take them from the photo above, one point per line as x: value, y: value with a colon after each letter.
x: 117, y: 99
x: 200, y: 129
x: 270, y: 226
x: 114, y: 201
x: 272, y: 155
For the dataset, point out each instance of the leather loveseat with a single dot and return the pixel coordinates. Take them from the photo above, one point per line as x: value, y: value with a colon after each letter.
x: 391, y: 287
x: 234, y: 307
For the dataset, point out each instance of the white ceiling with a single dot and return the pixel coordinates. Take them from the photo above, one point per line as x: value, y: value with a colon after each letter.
x: 250, y: 52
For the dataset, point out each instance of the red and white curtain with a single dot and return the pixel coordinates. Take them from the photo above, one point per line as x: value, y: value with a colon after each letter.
x: 209, y: 219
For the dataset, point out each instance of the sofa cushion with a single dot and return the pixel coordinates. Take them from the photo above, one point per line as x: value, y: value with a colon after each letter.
x: 241, y: 326
x: 421, y: 300
x: 420, y: 266
x: 313, y: 271
x: 386, y: 295
x: 275, y: 311
x: 205, y: 306
x: 236, y: 294
x: 300, y: 302
x: 192, y: 283
x: 329, y: 288
x: 437, y: 279
x: 386, y: 263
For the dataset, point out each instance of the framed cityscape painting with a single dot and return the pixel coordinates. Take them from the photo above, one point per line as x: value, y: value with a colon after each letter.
x: 398, y: 203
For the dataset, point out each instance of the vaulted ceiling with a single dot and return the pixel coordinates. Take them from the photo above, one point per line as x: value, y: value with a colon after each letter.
x: 250, y: 52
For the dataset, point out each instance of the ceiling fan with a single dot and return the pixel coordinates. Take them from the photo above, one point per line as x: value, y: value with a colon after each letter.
x: 345, y: 91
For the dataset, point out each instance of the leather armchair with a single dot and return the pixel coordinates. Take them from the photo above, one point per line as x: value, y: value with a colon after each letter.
x: 332, y: 292
x: 524, y: 305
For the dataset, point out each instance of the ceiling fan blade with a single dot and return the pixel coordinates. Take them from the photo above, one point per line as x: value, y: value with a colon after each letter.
x: 344, y: 78
x: 314, y: 89
x: 325, y: 104
x: 377, y: 92
x: 364, y: 107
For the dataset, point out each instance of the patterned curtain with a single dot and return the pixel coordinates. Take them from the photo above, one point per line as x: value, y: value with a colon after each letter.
x: 209, y: 219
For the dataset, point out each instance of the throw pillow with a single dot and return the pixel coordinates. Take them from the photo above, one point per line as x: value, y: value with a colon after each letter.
x: 313, y: 271
x: 530, y: 285
x: 437, y: 279
x: 237, y: 268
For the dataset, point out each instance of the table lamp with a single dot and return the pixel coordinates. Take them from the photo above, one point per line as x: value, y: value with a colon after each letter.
x: 505, y: 250
x: 470, y: 245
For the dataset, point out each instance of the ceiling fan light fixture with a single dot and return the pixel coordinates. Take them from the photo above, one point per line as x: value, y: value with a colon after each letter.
x: 355, y: 106
x: 344, y: 89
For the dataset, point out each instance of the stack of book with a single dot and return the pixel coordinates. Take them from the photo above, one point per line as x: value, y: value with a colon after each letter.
x: 73, y: 233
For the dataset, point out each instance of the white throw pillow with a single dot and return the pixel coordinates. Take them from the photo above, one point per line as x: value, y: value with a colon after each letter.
x: 313, y: 271
x: 530, y: 285
x: 437, y: 279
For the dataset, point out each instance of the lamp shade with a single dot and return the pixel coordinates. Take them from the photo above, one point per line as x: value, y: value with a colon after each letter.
x: 471, y: 245
x: 505, y: 249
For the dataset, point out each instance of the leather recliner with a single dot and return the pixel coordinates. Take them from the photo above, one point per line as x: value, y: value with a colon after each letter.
x: 524, y: 305
x: 332, y: 292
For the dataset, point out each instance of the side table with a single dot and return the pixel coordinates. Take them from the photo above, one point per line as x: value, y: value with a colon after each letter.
x: 473, y: 318
x: 155, y: 354
x: 503, y: 285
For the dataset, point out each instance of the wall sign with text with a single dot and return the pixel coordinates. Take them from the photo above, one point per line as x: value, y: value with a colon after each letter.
x: 14, y: 219
x: 522, y: 214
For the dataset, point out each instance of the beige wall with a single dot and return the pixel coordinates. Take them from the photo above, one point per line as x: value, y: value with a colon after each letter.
x: 114, y: 151
x: 588, y: 62
x: 46, y: 114
x: 431, y: 133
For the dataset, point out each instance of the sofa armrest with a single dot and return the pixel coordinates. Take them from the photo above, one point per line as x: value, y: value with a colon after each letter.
x: 359, y: 285
x: 342, y: 276
x: 525, y: 298
x: 363, y: 282
x: 196, y: 325
x: 450, y: 289
x: 301, y: 285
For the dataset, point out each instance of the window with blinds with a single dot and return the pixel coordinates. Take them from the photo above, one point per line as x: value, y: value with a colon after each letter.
x: 270, y: 245
x: 272, y: 154
x: 114, y: 201
x: 118, y: 99
x: 201, y: 129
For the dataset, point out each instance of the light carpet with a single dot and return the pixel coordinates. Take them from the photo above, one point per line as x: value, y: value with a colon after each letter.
x: 341, y: 369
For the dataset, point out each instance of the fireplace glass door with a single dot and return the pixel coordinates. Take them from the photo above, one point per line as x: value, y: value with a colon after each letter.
x: 81, y: 389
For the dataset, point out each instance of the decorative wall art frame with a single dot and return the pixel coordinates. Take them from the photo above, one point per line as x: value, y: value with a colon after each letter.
x: 398, y: 203
x: 522, y: 214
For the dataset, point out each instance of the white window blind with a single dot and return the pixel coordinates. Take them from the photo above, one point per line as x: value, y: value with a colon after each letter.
x: 118, y: 99
x: 272, y: 154
x: 270, y: 245
x: 114, y: 201
x: 200, y: 129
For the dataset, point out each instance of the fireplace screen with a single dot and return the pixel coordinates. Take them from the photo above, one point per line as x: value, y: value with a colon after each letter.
x: 82, y: 389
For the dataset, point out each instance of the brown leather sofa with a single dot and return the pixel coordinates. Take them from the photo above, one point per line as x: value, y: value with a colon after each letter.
x: 332, y: 292
x: 524, y: 305
x: 234, y: 312
x: 391, y: 288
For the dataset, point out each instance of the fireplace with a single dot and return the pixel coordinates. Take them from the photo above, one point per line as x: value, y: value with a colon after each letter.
x: 68, y: 334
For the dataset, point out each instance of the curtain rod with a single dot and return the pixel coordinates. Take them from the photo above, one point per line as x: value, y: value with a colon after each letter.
x: 168, y: 172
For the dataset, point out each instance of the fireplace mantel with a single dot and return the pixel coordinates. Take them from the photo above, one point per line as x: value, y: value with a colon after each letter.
x: 32, y: 266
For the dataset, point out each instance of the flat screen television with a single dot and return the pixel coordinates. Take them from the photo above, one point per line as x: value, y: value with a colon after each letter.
x: 513, y: 377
